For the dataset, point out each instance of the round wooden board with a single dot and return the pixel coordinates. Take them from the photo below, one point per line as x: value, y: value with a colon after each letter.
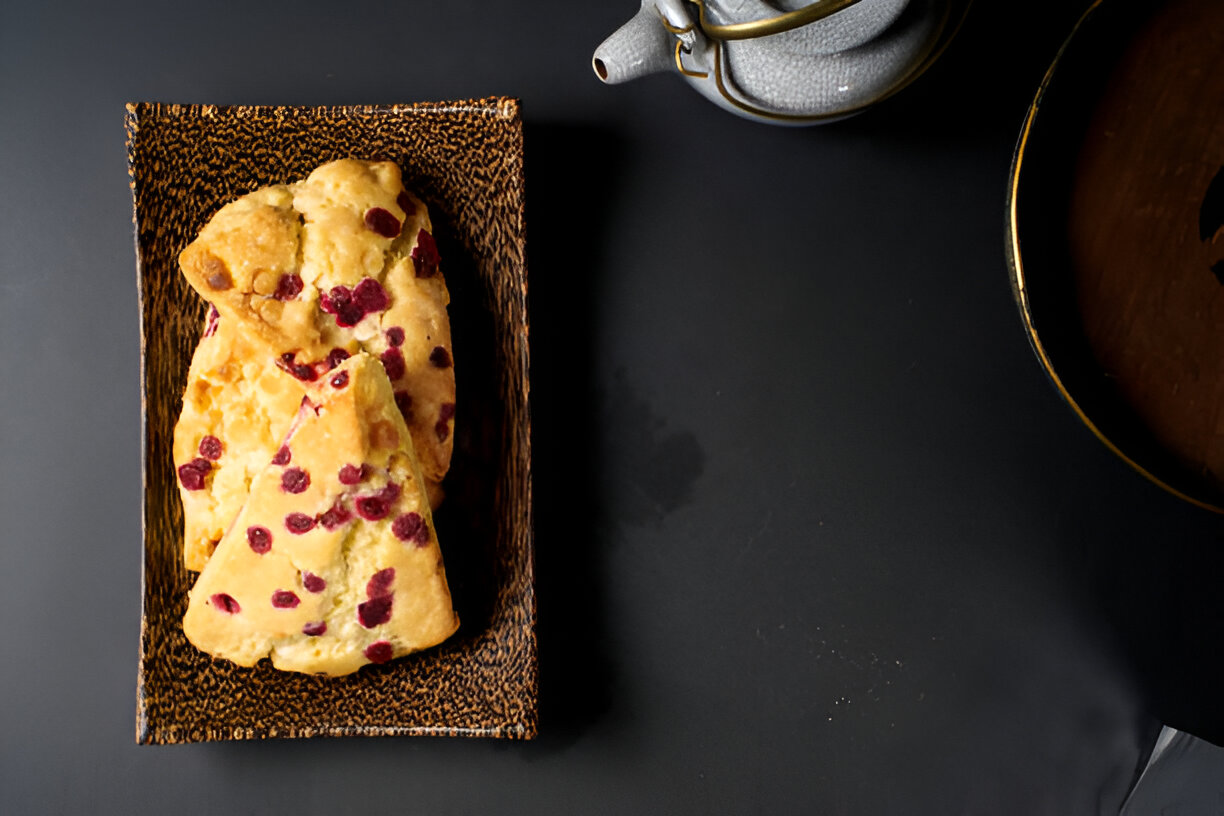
x: 1118, y: 236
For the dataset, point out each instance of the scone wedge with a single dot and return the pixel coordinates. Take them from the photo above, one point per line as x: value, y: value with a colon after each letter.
x: 333, y: 562
x: 341, y: 261
x: 236, y: 410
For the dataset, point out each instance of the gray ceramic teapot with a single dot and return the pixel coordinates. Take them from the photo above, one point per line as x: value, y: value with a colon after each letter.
x: 781, y: 61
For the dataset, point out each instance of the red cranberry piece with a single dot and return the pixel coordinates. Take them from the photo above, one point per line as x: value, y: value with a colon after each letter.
x: 411, y: 527
x: 299, y: 523
x: 295, y: 480
x: 349, y: 315
x: 213, y: 317
x: 336, y: 297
x: 378, y: 506
x: 440, y: 357
x: 288, y: 287
x: 372, y: 508
x: 314, y: 628
x: 288, y: 362
x: 370, y: 296
x: 442, y: 429
x: 284, y: 599
x: 382, y: 222
x: 260, y: 538
x: 374, y: 611
x: 393, y: 361
x: 395, y: 336
x: 379, y: 585
x: 389, y: 493
x: 403, y: 401
x: 379, y: 652
x: 192, y: 475
x: 339, y: 302
x: 282, y: 456
x: 210, y: 448
x: 340, y: 380
x: 405, y: 204
x: 335, y: 517
x: 335, y: 357
x: 313, y: 583
x: 352, y: 474
x: 425, y: 256
x: 225, y: 603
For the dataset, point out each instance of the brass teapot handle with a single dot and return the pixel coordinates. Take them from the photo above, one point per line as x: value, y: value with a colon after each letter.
x: 769, y: 25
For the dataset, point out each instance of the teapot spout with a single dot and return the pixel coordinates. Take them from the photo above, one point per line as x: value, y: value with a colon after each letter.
x: 641, y: 46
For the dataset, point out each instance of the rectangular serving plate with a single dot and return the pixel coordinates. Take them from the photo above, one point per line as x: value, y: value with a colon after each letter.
x: 465, y: 159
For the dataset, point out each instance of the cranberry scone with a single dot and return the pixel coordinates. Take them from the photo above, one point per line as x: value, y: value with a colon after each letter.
x: 333, y: 562
x: 342, y: 261
x: 236, y: 410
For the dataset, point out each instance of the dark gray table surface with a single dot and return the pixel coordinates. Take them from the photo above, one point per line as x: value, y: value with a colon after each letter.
x: 814, y: 533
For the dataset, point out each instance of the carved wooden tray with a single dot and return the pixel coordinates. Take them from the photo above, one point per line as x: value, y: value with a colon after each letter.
x: 465, y: 159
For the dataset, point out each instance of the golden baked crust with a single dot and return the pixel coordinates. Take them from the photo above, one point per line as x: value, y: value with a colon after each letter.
x: 333, y: 562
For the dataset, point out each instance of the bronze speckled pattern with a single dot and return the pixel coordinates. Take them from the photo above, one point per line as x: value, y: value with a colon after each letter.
x: 465, y: 159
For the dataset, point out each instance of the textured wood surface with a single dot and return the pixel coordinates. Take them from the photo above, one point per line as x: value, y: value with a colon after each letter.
x: 1153, y: 309
x: 465, y: 160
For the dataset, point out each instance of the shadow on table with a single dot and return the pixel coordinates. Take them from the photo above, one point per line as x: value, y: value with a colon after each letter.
x: 568, y: 196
